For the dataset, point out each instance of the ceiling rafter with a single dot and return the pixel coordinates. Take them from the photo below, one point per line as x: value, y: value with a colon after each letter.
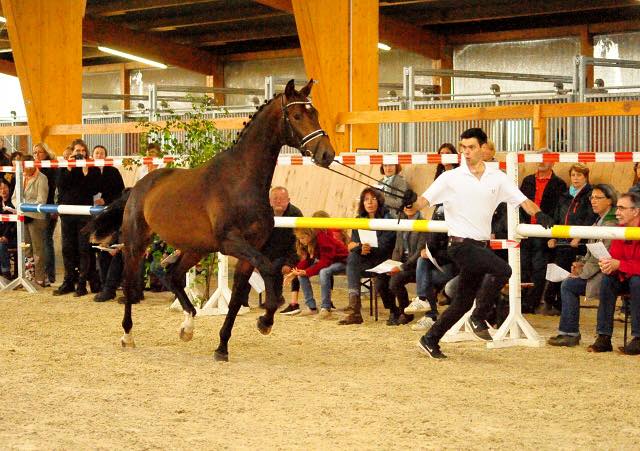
x: 220, y: 17
x: 243, y: 34
x: 121, y: 7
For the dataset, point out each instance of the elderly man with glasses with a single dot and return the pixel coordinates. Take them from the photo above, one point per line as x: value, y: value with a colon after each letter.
x: 622, y: 275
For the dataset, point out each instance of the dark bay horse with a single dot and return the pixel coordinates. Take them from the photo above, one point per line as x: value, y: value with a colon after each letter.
x: 222, y: 206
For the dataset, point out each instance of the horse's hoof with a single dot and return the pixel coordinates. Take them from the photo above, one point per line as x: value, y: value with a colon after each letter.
x: 185, y: 335
x: 263, y: 328
x: 221, y: 356
x: 127, y: 343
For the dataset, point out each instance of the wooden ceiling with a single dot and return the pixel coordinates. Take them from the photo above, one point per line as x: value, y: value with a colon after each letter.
x: 214, y: 30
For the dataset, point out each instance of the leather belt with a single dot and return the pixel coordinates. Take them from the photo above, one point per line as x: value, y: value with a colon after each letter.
x: 458, y: 240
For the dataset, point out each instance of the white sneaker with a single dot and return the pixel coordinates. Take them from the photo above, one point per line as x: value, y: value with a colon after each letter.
x: 324, y: 314
x: 417, y: 306
x: 424, y: 324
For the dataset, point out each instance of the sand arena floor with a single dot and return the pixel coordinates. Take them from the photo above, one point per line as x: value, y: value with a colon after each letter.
x: 65, y: 383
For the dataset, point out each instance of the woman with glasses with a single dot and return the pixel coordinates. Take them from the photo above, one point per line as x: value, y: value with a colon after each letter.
x: 585, y: 275
x: 575, y: 209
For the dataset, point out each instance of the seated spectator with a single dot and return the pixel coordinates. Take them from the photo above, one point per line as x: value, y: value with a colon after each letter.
x: 363, y: 256
x: 393, y: 185
x: 40, y: 153
x: 10, y: 176
x: 8, y: 239
x: 574, y: 208
x: 585, y: 275
x: 392, y: 286
x: 544, y: 188
x: 35, y: 189
x: 323, y: 255
x: 77, y: 186
x: 110, y: 188
x: 621, y: 274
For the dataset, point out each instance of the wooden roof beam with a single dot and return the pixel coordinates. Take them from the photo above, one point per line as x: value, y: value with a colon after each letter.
x: 106, y: 33
x: 8, y: 68
x: 257, y: 32
x: 223, y: 16
x: 121, y: 7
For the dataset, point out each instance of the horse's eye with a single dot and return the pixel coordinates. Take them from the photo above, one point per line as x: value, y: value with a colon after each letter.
x: 297, y: 116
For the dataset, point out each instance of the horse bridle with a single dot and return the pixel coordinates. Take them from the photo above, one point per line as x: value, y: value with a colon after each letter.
x: 290, y: 132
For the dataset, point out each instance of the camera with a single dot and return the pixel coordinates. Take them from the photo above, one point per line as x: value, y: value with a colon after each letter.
x: 78, y: 156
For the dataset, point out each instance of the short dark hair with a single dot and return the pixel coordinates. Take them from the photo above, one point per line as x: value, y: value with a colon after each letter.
x: 635, y: 198
x: 101, y: 147
x: 80, y: 142
x: 398, y: 168
x: 608, y: 191
x: 475, y: 132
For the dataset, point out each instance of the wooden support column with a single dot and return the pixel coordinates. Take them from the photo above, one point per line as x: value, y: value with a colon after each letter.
x: 216, y: 80
x: 539, y: 129
x: 347, y: 69
x: 48, y: 63
x: 445, y: 62
x: 125, y: 86
x: 586, y: 49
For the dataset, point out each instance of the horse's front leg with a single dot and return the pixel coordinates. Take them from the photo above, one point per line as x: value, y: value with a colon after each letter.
x: 133, y: 268
x: 241, y: 249
x: 239, y: 293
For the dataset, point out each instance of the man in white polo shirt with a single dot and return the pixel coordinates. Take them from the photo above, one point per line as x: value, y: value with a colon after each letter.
x: 470, y: 194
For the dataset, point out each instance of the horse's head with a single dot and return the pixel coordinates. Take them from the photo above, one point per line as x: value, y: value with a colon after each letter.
x: 301, y: 127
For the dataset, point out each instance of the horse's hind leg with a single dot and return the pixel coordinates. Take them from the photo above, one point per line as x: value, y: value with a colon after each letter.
x: 173, y: 280
x: 239, y: 293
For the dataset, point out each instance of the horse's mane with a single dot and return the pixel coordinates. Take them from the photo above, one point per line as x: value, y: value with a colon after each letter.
x: 251, y: 120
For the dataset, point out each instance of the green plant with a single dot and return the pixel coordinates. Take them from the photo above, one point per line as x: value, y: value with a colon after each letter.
x: 192, y: 139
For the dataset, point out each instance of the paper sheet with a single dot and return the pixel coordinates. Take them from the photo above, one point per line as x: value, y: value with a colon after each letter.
x: 598, y: 250
x: 556, y: 273
x: 385, y: 267
x: 10, y: 210
x: 432, y: 258
x: 369, y: 237
x: 256, y: 281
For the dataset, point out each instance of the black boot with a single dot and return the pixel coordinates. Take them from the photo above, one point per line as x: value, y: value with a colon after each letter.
x: 81, y: 289
x: 68, y: 286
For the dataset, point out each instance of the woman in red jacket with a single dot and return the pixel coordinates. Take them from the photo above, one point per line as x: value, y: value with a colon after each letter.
x: 321, y: 254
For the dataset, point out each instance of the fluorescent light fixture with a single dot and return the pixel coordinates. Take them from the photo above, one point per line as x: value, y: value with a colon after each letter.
x: 132, y: 57
x: 3, y: 20
x: 384, y: 47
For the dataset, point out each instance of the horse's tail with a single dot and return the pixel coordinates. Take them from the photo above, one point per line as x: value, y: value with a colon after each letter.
x: 104, y: 227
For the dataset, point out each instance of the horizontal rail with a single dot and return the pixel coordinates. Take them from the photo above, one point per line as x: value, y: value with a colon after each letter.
x: 78, y: 210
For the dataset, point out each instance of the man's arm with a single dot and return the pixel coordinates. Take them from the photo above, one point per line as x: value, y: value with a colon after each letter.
x: 532, y: 209
x: 422, y: 203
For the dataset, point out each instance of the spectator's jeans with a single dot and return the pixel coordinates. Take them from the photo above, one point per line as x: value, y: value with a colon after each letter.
x: 110, y: 270
x: 474, y: 262
x: 610, y: 288
x: 570, y: 291
x: 533, y: 261
x: 5, y: 261
x: 429, y: 279
x: 357, y: 264
x: 325, y: 275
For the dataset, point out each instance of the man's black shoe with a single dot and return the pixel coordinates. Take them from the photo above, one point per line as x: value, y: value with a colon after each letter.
x: 104, y: 296
x: 632, y: 348
x: 80, y: 291
x: 65, y: 288
x: 602, y: 344
x: 429, y: 347
x: 480, y: 329
x: 564, y: 340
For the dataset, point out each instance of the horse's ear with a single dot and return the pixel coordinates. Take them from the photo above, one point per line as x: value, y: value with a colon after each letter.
x: 307, y: 88
x: 290, y: 90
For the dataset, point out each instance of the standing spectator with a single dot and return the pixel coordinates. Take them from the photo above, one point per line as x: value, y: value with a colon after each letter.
x: 363, y: 256
x: 635, y: 188
x: 40, y: 153
x: 393, y: 185
x: 77, y: 186
x: 10, y: 176
x: 323, y: 255
x: 35, y: 190
x: 622, y: 274
x: 110, y: 263
x: 544, y: 188
x: 446, y: 149
x: 470, y: 195
x: 585, y: 275
x: 392, y: 286
x: 8, y: 239
x: 574, y: 208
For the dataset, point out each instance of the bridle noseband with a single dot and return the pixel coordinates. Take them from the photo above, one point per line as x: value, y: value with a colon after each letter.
x: 302, y: 142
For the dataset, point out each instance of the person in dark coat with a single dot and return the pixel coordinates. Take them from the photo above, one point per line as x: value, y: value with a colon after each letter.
x: 77, y: 186
x: 110, y: 263
x: 544, y: 188
x: 40, y: 153
x: 8, y: 238
x: 574, y: 208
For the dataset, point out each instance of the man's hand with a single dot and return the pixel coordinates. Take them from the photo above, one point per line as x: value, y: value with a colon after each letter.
x: 286, y: 269
x: 544, y: 220
x: 576, y: 269
x: 395, y: 270
x: 609, y: 265
x: 409, y: 198
x: 366, y: 249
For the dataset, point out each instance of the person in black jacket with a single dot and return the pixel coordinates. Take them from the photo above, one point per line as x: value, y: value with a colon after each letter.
x: 110, y: 263
x: 544, y: 188
x: 77, y: 186
x: 8, y: 237
x: 574, y: 208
